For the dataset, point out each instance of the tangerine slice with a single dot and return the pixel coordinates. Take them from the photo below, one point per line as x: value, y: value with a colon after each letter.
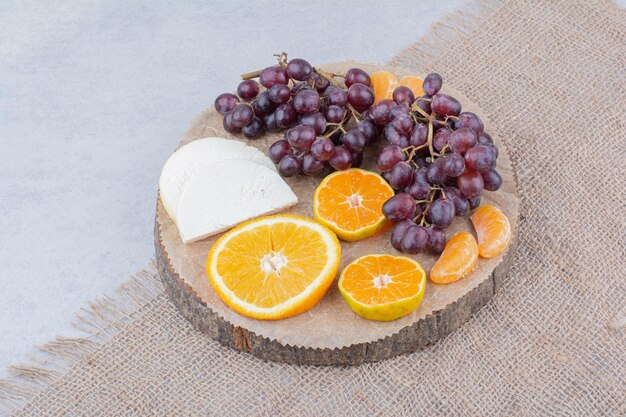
x: 414, y: 83
x: 383, y: 83
x: 350, y: 203
x: 493, y: 230
x: 274, y: 267
x: 383, y: 287
x: 458, y: 259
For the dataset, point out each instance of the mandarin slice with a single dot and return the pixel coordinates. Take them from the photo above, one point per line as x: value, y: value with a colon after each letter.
x: 493, y: 230
x: 383, y: 83
x: 458, y: 259
x: 274, y: 267
x: 383, y: 287
x: 414, y: 83
x: 350, y: 203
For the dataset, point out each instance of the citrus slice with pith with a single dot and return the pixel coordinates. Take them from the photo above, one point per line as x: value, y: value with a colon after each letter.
x: 414, y: 83
x: 350, y: 203
x: 458, y: 259
x: 383, y: 83
x: 274, y: 267
x: 383, y: 287
x: 493, y: 230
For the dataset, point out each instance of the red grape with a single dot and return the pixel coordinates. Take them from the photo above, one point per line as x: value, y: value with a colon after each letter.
x: 492, y: 180
x: 419, y: 135
x: 319, y: 83
x: 228, y: 124
x: 461, y: 140
x: 285, y: 115
x: 299, y: 69
x: 263, y: 104
x: 403, y: 124
x: 480, y: 158
x: 436, y: 173
x: 394, y: 137
x: 357, y: 76
x: 388, y: 157
x: 279, y: 149
x: 424, y: 104
x: 300, y: 137
x: 461, y: 205
x: 403, y: 95
x: 453, y: 165
x: 474, y: 202
x: 224, y: 103
x: 419, y: 190
x: 248, y: 89
x: 436, y: 239
x: 253, y: 130
x: 470, y: 183
x: 316, y: 120
x: 360, y: 96
x: 445, y: 105
x: 289, y: 166
x: 335, y: 114
x: 269, y: 120
x: 471, y: 121
x: 368, y: 129
x: 306, y: 101
x: 441, y: 138
x: 485, y: 139
x: 397, y: 234
x: 354, y: 140
x: 341, y: 159
x: 279, y: 93
x: 398, y: 110
x: 273, y: 75
x: 442, y: 212
x: 336, y: 96
x: 311, y: 165
x: 322, y: 149
x: 379, y: 114
x: 401, y: 175
x: 399, y: 207
x: 432, y: 84
x: 415, y: 240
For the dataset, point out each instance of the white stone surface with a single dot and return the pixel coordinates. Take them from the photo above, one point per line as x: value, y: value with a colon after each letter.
x: 94, y: 97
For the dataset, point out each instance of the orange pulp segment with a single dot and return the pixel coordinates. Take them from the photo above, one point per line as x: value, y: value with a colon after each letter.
x: 414, y: 83
x: 458, y: 259
x: 493, y: 230
x: 383, y: 83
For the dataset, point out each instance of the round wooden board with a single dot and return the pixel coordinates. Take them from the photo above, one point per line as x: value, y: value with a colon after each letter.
x: 330, y: 333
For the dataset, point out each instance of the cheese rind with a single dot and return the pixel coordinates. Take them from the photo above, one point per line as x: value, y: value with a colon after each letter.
x: 195, y: 156
x: 227, y: 193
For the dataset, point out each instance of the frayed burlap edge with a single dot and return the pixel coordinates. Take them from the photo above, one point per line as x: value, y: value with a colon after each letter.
x: 100, y: 321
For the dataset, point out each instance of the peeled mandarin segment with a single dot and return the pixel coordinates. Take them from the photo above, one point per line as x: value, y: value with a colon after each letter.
x: 274, y: 267
x: 458, y: 259
x: 383, y: 287
x: 383, y: 83
x: 350, y: 203
x: 414, y: 83
x: 493, y: 230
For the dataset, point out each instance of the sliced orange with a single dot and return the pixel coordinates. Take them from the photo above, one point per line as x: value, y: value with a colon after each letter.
x: 274, y: 267
x: 350, y: 203
x: 414, y: 83
x: 383, y: 287
x: 383, y: 83
x: 493, y: 230
x: 458, y: 259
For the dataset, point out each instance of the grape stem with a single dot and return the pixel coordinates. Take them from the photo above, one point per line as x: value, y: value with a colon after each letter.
x: 251, y: 75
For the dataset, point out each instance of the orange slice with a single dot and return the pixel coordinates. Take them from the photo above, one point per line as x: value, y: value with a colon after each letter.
x: 383, y: 83
x: 493, y: 230
x: 414, y: 83
x: 274, y: 267
x: 383, y: 287
x: 350, y: 203
x: 457, y: 259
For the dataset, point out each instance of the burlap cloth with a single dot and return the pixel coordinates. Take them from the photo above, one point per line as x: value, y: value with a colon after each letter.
x: 552, y: 77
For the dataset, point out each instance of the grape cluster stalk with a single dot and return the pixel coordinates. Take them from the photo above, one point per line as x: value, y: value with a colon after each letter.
x: 320, y: 112
x: 437, y: 158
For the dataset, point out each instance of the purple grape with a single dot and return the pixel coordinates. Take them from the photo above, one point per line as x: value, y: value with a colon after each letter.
x: 224, y: 103
x: 397, y: 234
x: 403, y: 95
x: 441, y: 138
x: 436, y: 239
x: 335, y: 114
x: 278, y: 150
x: 401, y: 175
x: 445, y: 105
x: 285, y: 115
x: 399, y: 207
x: 480, y: 158
x: 398, y: 110
x: 357, y: 159
x: 379, y: 114
x: 492, y: 180
x: 442, y: 212
x: 394, y: 137
x: 415, y: 240
x: 300, y: 86
x: 279, y: 93
x: 242, y: 115
x: 263, y: 105
x: 388, y: 157
x: 273, y: 75
x: 306, y: 101
x: 461, y: 140
x: 436, y: 173
x: 357, y: 76
x: 419, y: 135
x: 471, y: 121
x: 474, y: 202
x: 299, y: 69
x: 341, y: 159
x: 360, y: 96
x: 228, y: 124
x: 316, y: 120
x: 248, y: 89
x: 354, y: 141
x: 253, y: 130
x: 289, y: 166
x: 470, y: 183
x: 461, y: 205
x: 319, y: 83
x: 403, y: 124
x: 494, y: 149
x: 419, y: 190
x: 453, y: 165
x: 432, y: 84
x: 300, y: 137
x: 336, y: 96
x: 269, y: 120
x: 368, y: 129
x: 424, y: 104
x: 310, y: 165
x: 485, y: 139
x: 322, y: 149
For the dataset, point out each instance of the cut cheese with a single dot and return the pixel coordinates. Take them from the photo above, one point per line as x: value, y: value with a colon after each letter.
x: 193, y: 157
x: 227, y: 193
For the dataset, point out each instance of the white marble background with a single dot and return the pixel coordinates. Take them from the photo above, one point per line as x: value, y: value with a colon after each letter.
x: 94, y: 96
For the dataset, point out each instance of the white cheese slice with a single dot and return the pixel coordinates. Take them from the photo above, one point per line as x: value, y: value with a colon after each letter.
x: 194, y: 156
x: 227, y: 193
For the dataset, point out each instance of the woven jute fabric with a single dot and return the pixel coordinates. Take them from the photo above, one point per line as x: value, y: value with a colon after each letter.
x: 551, y: 76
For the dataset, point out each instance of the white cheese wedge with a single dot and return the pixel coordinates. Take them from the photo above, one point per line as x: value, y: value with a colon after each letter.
x: 227, y: 193
x: 196, y: 155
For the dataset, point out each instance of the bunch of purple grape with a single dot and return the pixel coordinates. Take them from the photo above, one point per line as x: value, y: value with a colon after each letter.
x: 439, y: 160
x: 322, y: 116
